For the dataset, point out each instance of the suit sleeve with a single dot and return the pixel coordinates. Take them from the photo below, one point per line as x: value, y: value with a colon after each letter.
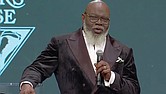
x: 43, y: 67
x: 127, y: 81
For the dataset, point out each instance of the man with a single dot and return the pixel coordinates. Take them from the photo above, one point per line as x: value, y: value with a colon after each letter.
x: 73, y: 60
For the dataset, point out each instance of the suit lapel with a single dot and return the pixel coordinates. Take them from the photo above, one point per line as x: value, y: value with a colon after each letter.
x: 111, y: 52
x: 78, y: 47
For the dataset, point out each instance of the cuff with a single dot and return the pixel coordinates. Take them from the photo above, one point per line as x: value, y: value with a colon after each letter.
x: 26, y: 82
x: 112, y: 78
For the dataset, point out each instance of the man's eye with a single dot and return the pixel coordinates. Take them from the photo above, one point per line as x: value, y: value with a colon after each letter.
x: 93, y: 17
x: 105, y: 19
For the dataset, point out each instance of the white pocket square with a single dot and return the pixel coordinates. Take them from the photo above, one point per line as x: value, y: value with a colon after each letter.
x: 119, y: 60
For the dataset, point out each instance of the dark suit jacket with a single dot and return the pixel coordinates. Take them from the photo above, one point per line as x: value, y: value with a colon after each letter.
x: 67, y: 57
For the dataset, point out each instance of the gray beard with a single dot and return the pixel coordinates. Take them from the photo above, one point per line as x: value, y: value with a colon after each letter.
x: 93, y: 39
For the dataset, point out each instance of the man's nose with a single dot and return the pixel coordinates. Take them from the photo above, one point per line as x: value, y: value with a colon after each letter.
x: 99, y: 22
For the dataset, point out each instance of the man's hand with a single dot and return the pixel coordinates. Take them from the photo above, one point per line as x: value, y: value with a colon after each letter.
x: 27, y: 89
x: 103, y: 68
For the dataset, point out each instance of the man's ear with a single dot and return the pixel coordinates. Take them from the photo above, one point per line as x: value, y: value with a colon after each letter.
x: 83, y: 17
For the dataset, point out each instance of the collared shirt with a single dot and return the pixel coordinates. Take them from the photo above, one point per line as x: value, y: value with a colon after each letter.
x: 92, y: 49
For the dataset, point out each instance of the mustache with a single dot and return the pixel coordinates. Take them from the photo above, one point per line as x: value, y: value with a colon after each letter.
x: 99, y: 27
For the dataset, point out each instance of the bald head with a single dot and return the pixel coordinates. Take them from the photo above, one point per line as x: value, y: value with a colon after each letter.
x: 96, y: 1
x: 98, y: 5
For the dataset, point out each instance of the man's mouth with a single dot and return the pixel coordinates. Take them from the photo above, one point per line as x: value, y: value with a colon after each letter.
x: 98, y: 30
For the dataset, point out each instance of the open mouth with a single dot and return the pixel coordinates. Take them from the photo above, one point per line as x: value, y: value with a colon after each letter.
x: 98, y: 30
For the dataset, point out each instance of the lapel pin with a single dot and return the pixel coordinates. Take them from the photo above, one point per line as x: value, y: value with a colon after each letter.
x: 119, y: 60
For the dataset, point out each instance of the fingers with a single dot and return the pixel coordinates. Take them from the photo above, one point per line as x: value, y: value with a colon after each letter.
x: 26, y: 92
x: 27, y: 89
x: 103, y: 68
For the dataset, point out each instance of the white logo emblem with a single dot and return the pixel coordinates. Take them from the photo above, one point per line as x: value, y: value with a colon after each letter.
x: 11, y: 41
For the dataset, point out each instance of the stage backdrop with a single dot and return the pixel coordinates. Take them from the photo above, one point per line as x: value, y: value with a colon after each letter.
x: 26, y: 26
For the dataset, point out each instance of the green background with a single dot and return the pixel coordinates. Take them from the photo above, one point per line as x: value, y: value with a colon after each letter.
x: 140, y: 24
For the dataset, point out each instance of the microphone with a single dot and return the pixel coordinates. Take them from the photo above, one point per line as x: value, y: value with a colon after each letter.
x: 99, y: 79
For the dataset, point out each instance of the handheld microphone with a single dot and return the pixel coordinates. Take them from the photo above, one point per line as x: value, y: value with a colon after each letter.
x: 99, y: 79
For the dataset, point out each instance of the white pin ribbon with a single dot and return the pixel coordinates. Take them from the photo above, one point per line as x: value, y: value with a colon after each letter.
x: 119, y: 60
